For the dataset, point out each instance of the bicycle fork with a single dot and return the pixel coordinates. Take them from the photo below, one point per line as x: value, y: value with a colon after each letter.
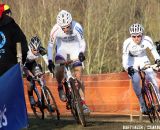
x: 38, y: 95
x: 43, y: 89
x: 157, y: 95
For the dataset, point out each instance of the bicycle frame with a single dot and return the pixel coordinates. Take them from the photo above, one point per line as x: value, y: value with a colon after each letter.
x: 40, y: 80
x: 68, y: 75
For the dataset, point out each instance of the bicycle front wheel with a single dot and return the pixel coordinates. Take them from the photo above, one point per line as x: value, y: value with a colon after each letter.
x: 50, y: 103
x: 37, y: 108
x: 155, y: 101
x: 78, y: 105
x: 149, y: 102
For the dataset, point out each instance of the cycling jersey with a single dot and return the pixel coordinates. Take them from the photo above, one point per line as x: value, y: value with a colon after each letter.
x: 31, y: 58
x: 10, y: 35
x: 135, y: 54
x: 72, y: 43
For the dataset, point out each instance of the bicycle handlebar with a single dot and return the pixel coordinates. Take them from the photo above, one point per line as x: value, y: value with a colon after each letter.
x: 154, y: 67
x: 37, y: 77
x: 65, y: 63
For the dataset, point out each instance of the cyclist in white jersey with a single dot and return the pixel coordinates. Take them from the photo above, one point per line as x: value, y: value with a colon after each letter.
x: 35, y: 52
x: 134, y: 55
x: 67, y: 35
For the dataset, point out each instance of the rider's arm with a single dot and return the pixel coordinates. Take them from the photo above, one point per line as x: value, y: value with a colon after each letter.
x: 21, y: 38
x: 80, y: 36
x: 125, y: 55
x: 52, y: 42
x: 45, y: 58
x: 43, y: 53
x: 25, y: 68
x: 152, y: 47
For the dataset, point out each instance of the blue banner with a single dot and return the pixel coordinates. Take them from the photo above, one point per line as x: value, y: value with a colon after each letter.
x: 13, y: 112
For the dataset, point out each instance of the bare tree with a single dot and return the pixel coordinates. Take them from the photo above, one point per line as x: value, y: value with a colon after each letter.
x: 105, y: 23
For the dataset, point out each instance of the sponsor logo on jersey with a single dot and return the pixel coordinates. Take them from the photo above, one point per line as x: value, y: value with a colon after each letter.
x: 2, y: 39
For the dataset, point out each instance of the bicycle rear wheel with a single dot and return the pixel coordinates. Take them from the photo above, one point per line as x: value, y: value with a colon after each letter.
x: 50, y: 103
x: 77, y: 104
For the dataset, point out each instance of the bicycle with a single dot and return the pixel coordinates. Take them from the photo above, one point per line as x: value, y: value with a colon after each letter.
x: 44, y: 100
x: 150, y: 95
x: 72, y: 86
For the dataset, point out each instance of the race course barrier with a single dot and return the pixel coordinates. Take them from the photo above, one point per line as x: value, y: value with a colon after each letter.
x: 104, y: 93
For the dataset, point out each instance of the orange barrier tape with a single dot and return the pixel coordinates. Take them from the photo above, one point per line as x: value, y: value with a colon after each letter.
x: 104, y: 93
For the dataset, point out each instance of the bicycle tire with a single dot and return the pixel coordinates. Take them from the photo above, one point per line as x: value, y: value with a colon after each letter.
x: 51, y: 103
x: 71, y: 101
x: 149, y: 102
x: 78, y: 104
x: 155, y: 101
x: 37, y: 108
x: 146, y: 101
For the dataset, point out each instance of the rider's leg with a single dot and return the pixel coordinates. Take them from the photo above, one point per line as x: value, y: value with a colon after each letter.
x: 59, y: 70
x: 59, y: 77
x: 30, y: 92
x: 78, y: 75
x: 137, y: 89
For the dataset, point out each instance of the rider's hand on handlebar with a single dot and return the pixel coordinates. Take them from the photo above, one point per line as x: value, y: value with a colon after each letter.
x: 131, y: 70
x: 29, y: 78
x: 157, y: 62
x: 81, y: 57
x: 51, y: 66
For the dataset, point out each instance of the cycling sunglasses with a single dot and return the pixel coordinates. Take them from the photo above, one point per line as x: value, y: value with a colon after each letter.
x: 35, y: 50
x: 138, y: 36
x: 67, y: 27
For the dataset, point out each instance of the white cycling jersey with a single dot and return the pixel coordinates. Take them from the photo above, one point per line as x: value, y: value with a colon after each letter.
x: 72, y: 44
x: 135, y: 55
x: 31, y: 57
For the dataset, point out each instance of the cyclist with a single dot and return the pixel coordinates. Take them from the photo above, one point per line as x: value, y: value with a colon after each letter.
x: 134, y: 55
x: 35, y: 52
x: 10, y: 35
x: 69, y: 39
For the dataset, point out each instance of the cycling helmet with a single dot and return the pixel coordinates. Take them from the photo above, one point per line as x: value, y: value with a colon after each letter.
x: 35, y: 43
x: 136, y: 29
x: 64, y: 18
x: 4, y: 8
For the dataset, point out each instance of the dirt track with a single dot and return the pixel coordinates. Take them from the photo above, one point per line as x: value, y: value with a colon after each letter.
x: 94, y: 123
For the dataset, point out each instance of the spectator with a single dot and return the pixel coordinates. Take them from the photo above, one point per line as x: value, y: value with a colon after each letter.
x: 10, y: 35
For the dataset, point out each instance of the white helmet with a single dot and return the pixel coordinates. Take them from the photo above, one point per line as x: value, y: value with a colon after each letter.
x: 64, y: 18
x: 136, y: 29
x: 35, y: 43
